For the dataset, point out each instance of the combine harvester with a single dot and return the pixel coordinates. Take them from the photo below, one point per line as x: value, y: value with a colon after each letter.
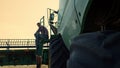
x: 86, y: 34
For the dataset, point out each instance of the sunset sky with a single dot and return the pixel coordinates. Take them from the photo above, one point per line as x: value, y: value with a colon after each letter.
x: 18, y: 18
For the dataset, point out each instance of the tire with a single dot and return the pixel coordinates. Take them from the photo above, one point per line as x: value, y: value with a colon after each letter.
x: 95, y: 50
x: 59, y: 54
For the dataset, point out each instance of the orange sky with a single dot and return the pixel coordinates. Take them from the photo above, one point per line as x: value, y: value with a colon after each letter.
x: 18, y: 18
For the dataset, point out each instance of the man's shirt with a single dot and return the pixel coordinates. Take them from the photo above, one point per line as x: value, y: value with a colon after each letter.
x: 42, y: 30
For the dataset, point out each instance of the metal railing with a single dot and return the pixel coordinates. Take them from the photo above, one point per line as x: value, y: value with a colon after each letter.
x: 17, y: 43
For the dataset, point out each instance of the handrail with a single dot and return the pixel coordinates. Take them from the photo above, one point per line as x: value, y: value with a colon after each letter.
x: 18, y: 43
x: 22, y: 42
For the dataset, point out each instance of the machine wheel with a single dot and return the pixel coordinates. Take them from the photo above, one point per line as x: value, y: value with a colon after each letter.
x: 95, y: 50
x: 58, y: 53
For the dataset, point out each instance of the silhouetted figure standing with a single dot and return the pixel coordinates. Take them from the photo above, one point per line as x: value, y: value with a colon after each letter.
x: 41, y: 35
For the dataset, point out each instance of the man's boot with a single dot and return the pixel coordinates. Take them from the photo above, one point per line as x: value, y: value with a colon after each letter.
x: 39, y: 61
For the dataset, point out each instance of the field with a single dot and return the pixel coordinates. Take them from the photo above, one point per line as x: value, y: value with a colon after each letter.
x: 23, y: 66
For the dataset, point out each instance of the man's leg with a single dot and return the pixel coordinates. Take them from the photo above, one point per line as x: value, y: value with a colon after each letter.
x: 39, y: 46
